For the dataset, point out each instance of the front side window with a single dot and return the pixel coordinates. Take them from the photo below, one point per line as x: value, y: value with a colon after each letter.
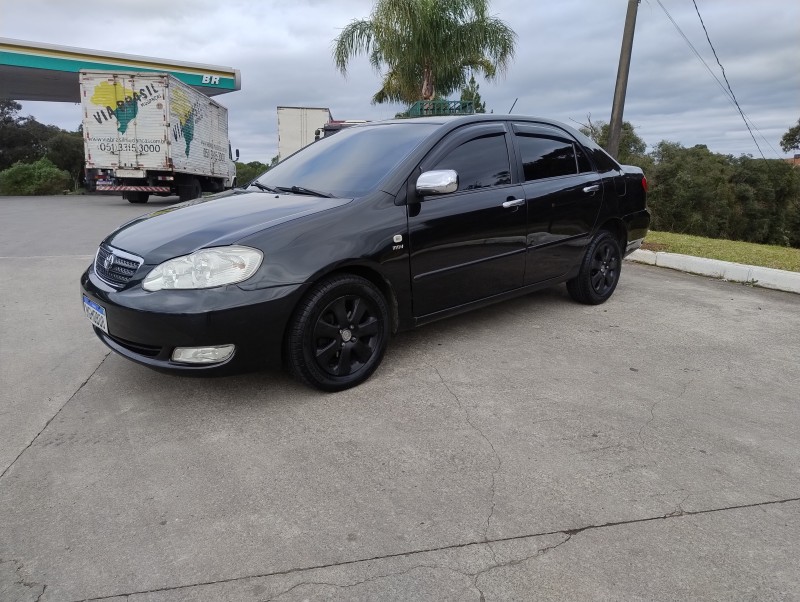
x: 480, y: 162
x: 583, y: 161
x: 546, y: 157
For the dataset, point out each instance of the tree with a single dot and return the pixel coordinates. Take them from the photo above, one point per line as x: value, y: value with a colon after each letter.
x: 690, y: 192
x: 695, y: 191
x: 9, y: 110
x: 632, y: 149
x: 21, y: 138
x: 427, y: 47
x: 65, y: 151
x: 247, y: 172
x: 470, y: 94
x: 791, y: 139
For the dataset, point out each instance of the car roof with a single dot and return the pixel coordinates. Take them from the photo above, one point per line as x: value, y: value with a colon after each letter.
x: 477, y: 117
x: 451, y: 122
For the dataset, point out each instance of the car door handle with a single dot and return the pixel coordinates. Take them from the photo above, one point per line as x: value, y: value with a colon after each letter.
x: 513, y: 203
x: 593, y: 188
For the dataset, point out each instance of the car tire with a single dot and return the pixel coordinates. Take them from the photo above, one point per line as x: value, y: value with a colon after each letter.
x: 599, y: 272
x: 338, y: 334
x: 137, y: 197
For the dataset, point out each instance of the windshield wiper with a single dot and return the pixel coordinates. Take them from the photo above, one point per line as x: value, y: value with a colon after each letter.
x: 261, y: 186
x: 303, y: 190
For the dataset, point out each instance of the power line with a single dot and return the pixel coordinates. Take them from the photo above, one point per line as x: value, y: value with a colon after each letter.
x: 728, y: 93
x: 725, y: 77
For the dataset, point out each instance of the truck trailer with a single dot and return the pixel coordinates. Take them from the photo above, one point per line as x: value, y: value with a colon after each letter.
x: 297, y: 127
x: 149, y: 133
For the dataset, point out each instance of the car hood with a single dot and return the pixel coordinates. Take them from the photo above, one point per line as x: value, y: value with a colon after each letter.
x: 220, y: 220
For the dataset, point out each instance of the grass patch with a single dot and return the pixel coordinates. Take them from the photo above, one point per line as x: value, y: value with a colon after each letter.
x: 768, y: 256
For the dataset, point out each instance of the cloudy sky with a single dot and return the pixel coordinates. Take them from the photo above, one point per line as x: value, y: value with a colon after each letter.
x: 565, y: 65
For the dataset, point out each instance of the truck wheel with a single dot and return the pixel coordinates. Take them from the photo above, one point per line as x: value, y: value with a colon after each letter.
x: 137, y: 197
x: 192, y: 190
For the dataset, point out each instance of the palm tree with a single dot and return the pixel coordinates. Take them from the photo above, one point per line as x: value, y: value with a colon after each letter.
x: 427, y: 46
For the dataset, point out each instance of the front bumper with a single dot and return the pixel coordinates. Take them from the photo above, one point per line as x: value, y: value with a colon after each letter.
x: 146, y: 327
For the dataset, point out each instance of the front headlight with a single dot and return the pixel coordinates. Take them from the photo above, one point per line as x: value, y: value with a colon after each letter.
x: 205, y: 268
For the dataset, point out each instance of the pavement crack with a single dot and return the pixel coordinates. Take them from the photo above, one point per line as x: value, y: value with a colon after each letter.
x: 510, y: 563
x: 363, y: 581
x: 302, y: 584
x: 498, y: 460
x: 568, y: 532
x: 19, y: 579
x: 53, y: 417
x: 653, y: 411
x: 679, y: 511
x: 649, y: 421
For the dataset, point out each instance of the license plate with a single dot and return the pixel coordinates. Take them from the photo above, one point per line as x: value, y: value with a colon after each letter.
x: 96, y: 313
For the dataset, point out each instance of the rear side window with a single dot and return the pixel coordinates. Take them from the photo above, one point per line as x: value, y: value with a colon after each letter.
x: 604, y: 162
x: 480, y: 162
x: 546, y: 157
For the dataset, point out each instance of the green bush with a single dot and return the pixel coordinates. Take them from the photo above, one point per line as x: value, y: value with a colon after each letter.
x: 41, y: 177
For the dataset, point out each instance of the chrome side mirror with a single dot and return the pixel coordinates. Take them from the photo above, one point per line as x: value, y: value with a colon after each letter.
x: 439, y: 181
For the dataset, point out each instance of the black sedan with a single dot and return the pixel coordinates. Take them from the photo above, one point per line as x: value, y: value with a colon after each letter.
x: 381, y: 228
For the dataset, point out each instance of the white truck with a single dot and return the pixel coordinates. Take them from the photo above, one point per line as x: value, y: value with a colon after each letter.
x: 298, y: 126
x: 149, y: 133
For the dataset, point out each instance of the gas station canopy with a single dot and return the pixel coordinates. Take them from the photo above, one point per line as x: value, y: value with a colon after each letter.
x: 34, y: 71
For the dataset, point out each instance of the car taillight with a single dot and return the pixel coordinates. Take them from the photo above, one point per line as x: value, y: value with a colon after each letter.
x: 644, y: 183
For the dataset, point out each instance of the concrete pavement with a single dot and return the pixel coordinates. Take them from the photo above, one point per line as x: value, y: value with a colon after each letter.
x: 537, y: 449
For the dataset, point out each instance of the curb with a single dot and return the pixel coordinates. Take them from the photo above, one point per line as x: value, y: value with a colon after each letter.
x: 780, y: 280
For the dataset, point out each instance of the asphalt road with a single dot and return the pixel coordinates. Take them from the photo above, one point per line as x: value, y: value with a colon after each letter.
x: 538, y: 449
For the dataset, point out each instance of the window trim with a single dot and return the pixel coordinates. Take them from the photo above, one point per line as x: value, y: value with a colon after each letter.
x: 524, y: 180
x: 547, y: 130
x: 461, y: 136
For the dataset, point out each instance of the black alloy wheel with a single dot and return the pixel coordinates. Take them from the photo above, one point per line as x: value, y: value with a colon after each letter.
x: 600, y: 270
x: 339, y: 333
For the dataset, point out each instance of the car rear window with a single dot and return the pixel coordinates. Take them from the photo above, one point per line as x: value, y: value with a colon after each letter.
x: 352, y: 162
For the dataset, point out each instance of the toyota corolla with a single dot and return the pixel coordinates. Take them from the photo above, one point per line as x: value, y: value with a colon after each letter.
x: 381, y: 228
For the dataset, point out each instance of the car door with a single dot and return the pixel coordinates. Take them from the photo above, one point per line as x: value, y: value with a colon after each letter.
x: 563, y: 195
x: 467, y: 245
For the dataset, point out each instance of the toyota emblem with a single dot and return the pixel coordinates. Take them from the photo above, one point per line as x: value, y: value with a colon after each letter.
x: 109, y: 261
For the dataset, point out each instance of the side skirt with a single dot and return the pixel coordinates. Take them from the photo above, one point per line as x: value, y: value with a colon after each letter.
x: 517, y: 292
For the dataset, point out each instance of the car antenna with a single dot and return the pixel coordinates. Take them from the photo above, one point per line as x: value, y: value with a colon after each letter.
x: 512, y: 106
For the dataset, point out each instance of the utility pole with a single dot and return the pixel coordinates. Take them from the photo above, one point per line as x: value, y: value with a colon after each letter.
x: 615, y: 127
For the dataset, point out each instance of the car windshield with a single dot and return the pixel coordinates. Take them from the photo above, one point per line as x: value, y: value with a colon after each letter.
x: 350, y: 163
